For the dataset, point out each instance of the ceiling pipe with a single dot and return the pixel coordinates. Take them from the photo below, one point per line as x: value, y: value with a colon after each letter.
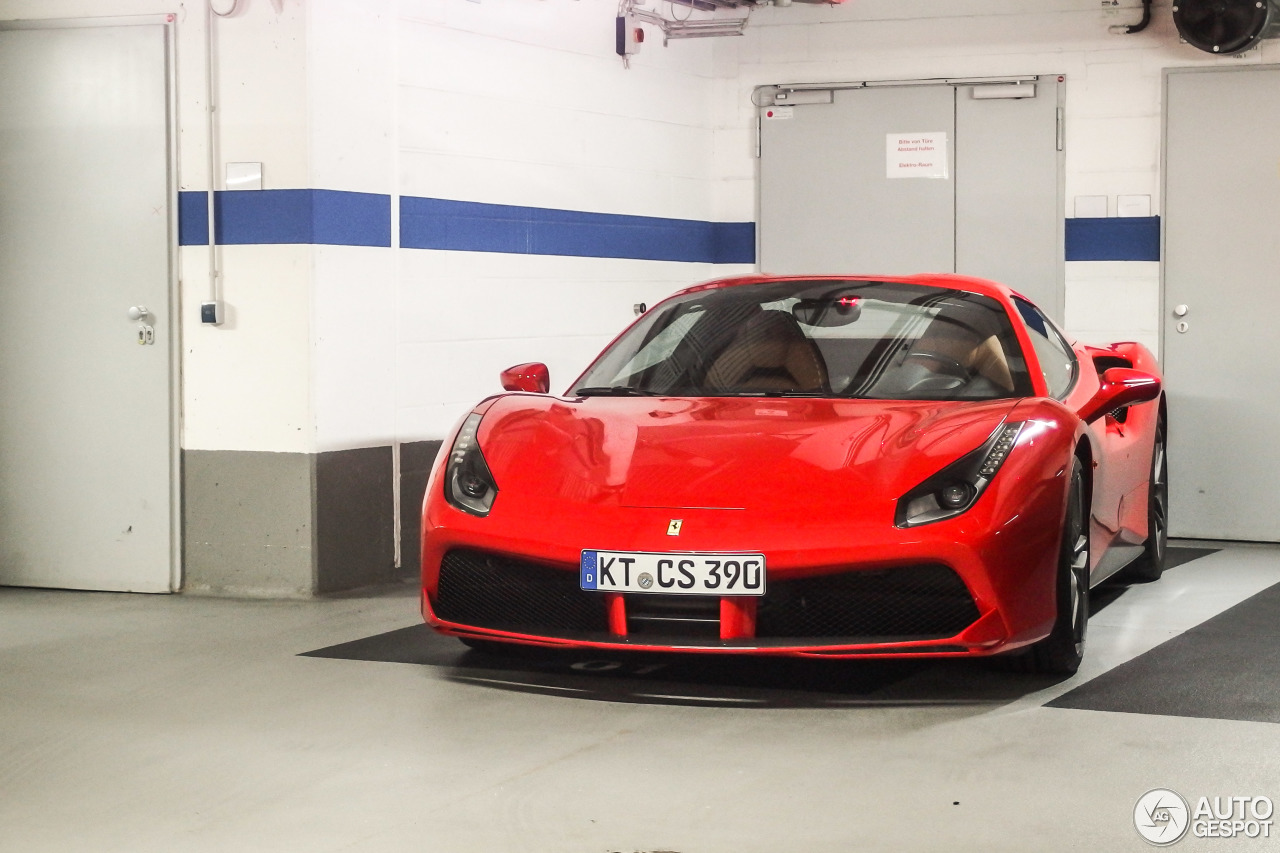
x: 1129, y: 30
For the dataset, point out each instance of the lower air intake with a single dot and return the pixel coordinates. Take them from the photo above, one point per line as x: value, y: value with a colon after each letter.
x: 492, y: 591
x: 911, y: 602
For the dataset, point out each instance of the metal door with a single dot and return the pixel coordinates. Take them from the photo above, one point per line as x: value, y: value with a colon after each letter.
x: 1222, y: 280
x: 828, y: 203
x: 86, y: 431
x: 1009, y: 196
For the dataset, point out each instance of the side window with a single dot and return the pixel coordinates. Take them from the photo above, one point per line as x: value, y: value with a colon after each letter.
x: 1057, y: 360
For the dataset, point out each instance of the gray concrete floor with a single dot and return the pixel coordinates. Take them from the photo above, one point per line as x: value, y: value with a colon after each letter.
x: 170, y: 723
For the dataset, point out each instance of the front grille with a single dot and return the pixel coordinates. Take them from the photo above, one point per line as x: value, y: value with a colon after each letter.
x: 494, y: 591
x: 690, y: 616
x: 909, y: 603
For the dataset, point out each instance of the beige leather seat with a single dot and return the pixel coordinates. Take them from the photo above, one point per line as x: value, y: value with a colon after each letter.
x: 769, y: 353
x: 985, y: 358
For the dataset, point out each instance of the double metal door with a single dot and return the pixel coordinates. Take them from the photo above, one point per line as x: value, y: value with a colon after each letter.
x: 986, y: 200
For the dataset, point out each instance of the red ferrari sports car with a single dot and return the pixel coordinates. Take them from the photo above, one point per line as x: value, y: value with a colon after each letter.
x: 821, y: 466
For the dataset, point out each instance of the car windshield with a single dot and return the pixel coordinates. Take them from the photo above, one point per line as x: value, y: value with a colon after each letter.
x: 826, y: 338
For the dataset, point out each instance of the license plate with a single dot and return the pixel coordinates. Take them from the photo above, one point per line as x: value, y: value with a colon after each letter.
x: 673, y: 574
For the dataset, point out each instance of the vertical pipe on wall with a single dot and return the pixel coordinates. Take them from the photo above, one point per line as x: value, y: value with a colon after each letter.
x: 211, y: 146
x: 396, y: 519
x: 176, y: 567
x: 393, y: 155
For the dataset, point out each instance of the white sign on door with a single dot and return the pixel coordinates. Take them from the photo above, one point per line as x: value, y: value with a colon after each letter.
x: 916, y: 155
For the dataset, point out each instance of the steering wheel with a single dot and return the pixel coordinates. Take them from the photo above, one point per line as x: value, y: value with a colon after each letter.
x: 947, y: 365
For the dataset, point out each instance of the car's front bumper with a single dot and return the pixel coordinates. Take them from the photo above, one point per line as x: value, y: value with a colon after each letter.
x: 971, y: 586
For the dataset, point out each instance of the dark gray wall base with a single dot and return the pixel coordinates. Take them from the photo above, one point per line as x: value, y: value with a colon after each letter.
x: 247, y: 523
x: 288, y: 525
x: 416, y: 459
x: 355, y: 519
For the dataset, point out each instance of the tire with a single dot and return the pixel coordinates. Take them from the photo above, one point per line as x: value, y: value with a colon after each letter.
x: 1150, y: 566
x: 1060, y: 653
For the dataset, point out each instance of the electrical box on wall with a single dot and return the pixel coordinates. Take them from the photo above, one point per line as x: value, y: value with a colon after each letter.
x: 630, y: 35
x: 211, y: 313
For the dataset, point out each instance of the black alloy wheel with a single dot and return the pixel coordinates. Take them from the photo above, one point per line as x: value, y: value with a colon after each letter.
x: 1150, y: 565
x: 1060, y: 653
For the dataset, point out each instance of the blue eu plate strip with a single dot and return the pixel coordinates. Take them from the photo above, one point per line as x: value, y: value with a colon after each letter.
x: 589, y: 570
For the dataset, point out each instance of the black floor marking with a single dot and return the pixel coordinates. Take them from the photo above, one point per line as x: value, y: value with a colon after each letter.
x: 1227, y: 668
x: 710, y: 679
x: 690, y: 679
x: 1175, y: 557
x: 1113, y: 588
x: 416, y: 644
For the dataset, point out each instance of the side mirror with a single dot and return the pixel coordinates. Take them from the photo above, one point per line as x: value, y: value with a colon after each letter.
x: 1121, y: 386
x: 533, y: 376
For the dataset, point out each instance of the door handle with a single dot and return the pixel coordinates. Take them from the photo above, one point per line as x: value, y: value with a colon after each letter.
x: 139, y: 312
x: 1182, y: 326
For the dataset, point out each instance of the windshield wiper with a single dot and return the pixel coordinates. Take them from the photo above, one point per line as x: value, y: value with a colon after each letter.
x: 628, y: 391
x: 781, y: 394
x: 612, y: 391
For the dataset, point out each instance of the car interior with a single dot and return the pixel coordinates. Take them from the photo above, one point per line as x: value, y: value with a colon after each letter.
x: 940, y: 345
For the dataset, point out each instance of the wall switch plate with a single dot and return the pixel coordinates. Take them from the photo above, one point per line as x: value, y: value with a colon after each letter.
x: 211, y: 313
x: 1133, y: 205
x: 244, y: 176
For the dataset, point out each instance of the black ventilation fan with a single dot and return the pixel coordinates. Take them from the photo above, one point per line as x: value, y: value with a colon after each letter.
x: 1226, y: 26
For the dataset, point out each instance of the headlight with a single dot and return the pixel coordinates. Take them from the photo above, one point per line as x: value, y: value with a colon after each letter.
x: 957, y: 487
x: 468, y: 484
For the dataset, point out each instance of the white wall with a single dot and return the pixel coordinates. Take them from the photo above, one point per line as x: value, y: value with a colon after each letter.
x: 525, y: 103
x: 504, y: 102
x: 351, y: 62
x: 245, y: 385
x: 1113, y: 102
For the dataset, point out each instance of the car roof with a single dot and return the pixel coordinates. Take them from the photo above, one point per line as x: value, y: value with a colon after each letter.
x: 941, y: 280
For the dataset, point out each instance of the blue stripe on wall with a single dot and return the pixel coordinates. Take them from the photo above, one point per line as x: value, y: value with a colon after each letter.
x: 338, y: 218
x: 1114, y: 239
x: 432, y: 223
x: 327, y: 217
x: 193, y: 219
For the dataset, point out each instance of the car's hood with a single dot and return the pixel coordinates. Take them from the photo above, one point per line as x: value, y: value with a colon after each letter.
x: 743, y: 453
